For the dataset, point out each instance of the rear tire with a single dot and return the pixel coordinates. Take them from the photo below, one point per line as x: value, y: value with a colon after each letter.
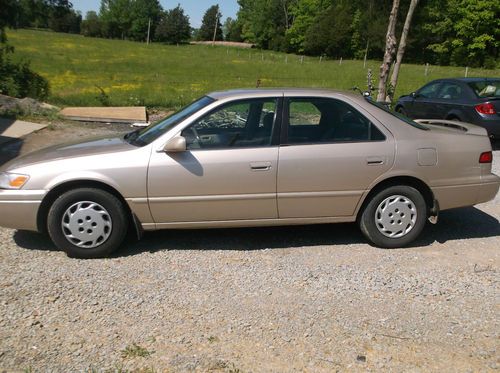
x: 394, y: 217
x: 87, y: 223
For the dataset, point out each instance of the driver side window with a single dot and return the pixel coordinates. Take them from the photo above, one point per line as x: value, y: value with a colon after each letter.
x: 430, y: 91
x: 246, y: 123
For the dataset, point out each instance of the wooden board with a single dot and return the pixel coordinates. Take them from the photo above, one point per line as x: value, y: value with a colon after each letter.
x: 106, y: 114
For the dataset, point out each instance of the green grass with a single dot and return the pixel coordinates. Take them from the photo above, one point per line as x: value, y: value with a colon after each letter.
x: 80, y: 69
x: 135, y: 350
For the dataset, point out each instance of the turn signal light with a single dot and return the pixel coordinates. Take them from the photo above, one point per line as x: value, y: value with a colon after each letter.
x: 486, y: 108
x: 18, y: 182
x: 486, y: 157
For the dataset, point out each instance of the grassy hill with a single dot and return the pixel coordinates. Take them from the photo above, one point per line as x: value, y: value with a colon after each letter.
x: 88, y: 71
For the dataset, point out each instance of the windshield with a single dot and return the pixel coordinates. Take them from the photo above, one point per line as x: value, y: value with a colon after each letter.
x: 149, y: 134
x: 486, y: 88
x: 398, y: 115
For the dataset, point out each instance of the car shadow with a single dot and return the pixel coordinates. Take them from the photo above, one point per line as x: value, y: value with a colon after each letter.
x: 456, y: 224
x: 495, y: 144
x: 10, y: 147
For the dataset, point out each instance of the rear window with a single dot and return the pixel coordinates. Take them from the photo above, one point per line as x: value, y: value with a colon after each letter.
x: 398, y: 115
x: 486, y: 88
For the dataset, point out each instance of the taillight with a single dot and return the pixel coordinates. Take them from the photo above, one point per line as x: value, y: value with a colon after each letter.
x: 486, y: 108
x: 486, y: 157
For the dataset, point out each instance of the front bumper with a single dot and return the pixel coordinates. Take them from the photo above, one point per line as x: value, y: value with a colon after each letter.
x: 19, y: 208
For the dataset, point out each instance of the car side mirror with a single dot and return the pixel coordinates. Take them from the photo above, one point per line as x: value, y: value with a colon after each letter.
x: 176, y: 145
x: 414, y: 95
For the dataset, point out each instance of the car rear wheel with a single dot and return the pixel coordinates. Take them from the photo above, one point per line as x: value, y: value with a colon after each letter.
x: 394, y: 217
x: 87, y: 223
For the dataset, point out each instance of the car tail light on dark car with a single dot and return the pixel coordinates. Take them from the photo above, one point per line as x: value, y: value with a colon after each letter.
x: 486, y: 108
x: 486, y: 157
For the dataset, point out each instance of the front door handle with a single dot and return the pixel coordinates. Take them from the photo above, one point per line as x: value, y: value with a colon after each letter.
x: 260, y: 166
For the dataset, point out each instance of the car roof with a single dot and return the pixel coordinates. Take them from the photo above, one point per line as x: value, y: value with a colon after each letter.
x: 259, y: 92
x: 466, y: 80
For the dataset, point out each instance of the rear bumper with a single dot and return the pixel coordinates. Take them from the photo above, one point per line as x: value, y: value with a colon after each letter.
x: 450, y: 197
x: 488, y: 188
x: 19, y: 208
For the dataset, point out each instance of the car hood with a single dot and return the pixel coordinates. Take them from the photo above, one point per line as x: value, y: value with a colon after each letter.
x: 88, y: 147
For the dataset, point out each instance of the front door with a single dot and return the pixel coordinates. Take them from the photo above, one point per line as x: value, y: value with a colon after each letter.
x: 331, y: 153
x: 423, y: 105
x: 228, y: 171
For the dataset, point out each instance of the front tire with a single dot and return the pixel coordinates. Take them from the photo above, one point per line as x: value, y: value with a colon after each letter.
x: 402, y: 111
x: 87, y: 223
x: 394, y: 217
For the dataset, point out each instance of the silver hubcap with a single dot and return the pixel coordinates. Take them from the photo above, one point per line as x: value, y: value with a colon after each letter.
x: 396, y: 216
x: 86, y: 224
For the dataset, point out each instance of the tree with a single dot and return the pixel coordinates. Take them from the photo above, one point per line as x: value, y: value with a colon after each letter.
x: 116, y: 18
x: 468, y: 33
x: 16, y: 78
x: 330, y: 32
x: 211, y: 28
x: 390, y: 49
x: 174, y: 27
x: 91, y: 25
x: 144, y: 12
x: 62, y: 17
x: 232, y: 30
x: 401, y: 50
x: 303, y: 13
x: 265, y: 22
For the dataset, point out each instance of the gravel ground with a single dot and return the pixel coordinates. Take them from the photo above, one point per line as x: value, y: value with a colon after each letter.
x: 314, y: 299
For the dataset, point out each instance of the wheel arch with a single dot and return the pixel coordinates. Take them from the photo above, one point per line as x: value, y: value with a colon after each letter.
x: 59, y: 189
x: 412, y: 181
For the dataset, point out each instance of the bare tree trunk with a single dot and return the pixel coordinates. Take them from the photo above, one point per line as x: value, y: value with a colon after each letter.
x: 401, y: 49
x: 390, y: 50
x: 285, y: 11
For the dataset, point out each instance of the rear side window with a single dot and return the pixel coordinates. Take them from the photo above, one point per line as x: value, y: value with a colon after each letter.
x: 450, y: 91
x: 486, y: 88
x: 323, y: 120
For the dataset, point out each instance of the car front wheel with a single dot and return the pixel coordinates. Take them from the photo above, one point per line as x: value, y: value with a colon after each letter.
x: 394, y: 217
x: 87, y: 223
x: 402, y: 111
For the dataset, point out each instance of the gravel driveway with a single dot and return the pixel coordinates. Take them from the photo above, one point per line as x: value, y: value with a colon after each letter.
x: 314, y: 298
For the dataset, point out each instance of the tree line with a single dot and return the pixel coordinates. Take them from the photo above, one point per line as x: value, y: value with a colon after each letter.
x: 456, y: 32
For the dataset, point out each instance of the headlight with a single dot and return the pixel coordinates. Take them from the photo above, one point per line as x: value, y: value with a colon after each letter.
x: 12, y: 181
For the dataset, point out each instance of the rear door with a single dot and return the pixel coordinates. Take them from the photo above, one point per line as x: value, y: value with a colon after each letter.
x: 330, y: 154
x: 450, y: 101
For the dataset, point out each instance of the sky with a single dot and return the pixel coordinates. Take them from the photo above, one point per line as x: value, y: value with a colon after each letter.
x: 193, y: 8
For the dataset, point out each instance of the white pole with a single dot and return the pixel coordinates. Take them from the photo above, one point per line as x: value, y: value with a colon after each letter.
x: 149, y: 28
x: 215, y: 29
x: 466, y: 71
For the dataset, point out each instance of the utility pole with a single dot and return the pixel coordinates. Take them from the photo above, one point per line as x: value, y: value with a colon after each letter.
x: 149, y: 29
x: 215, y: 29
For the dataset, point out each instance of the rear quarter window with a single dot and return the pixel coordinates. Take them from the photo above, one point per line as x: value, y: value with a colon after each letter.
x: 486, y: 88
x: 401, y: 117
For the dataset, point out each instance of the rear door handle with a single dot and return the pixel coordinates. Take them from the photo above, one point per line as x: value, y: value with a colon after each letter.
x: 373, y: 161
x: 260, y: 166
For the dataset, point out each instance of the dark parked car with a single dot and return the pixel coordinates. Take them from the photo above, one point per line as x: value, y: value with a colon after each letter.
x: 472, y: 100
